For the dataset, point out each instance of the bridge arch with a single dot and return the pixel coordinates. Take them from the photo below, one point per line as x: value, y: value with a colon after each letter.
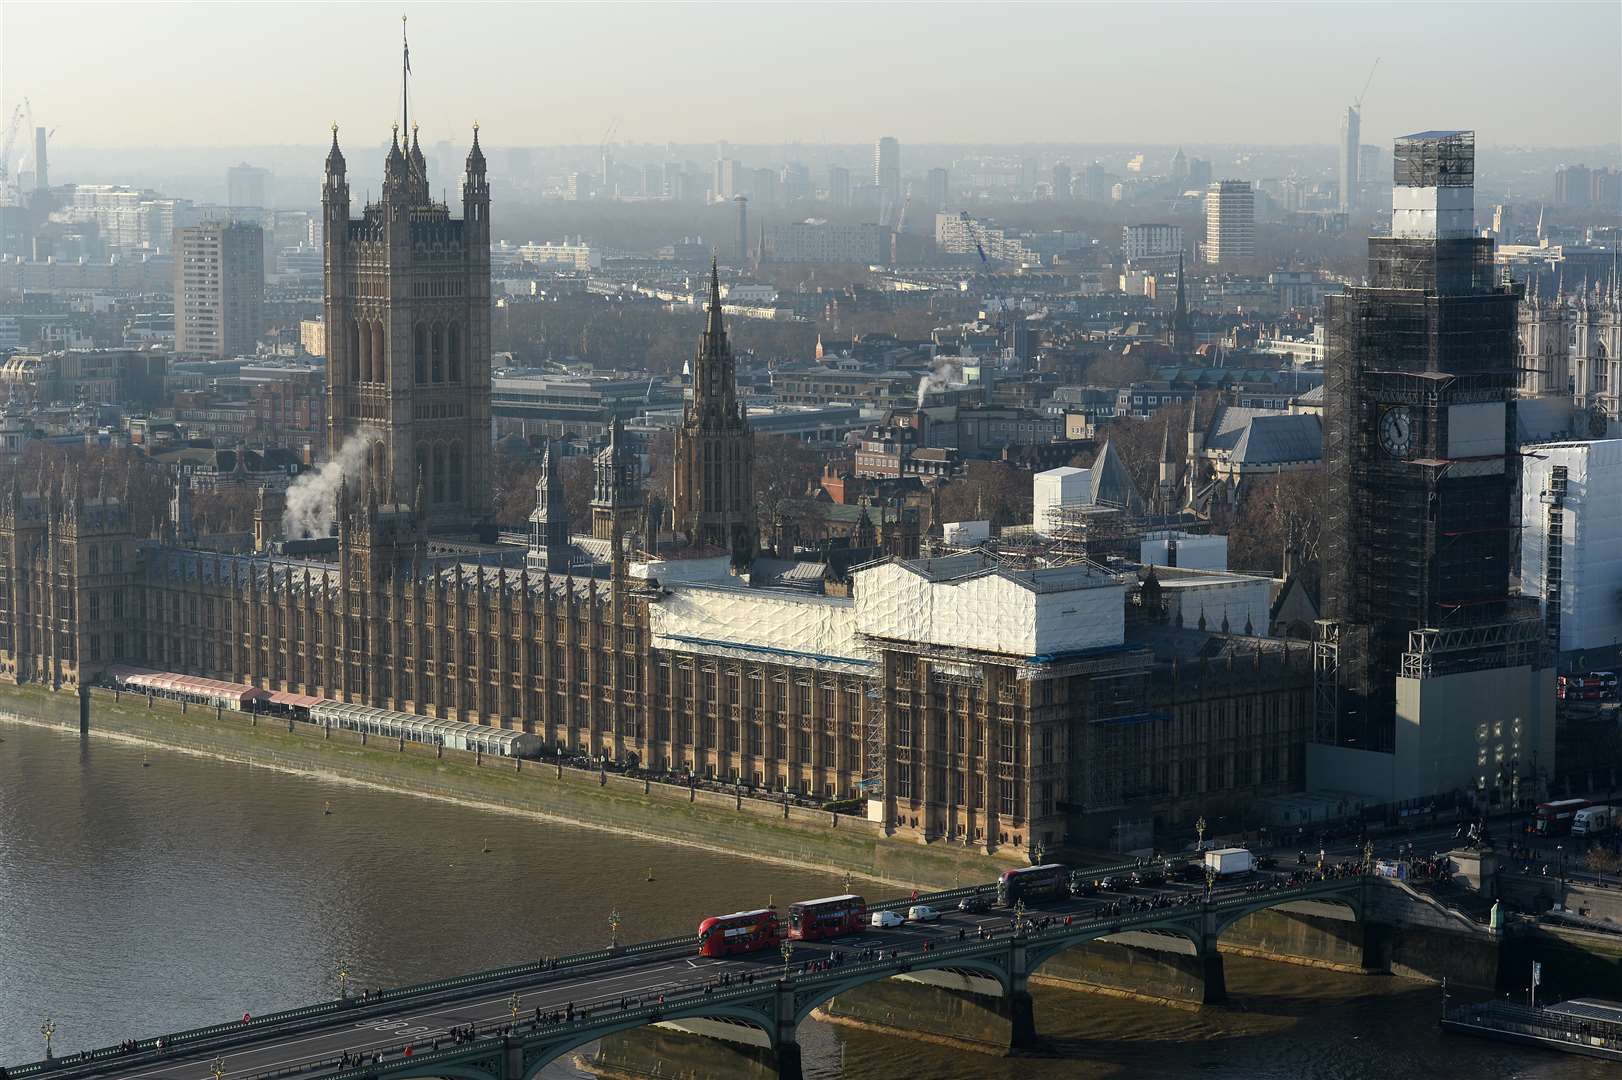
x: 808, y: 998
x: 1349, y: 898
x: 539, y: 1051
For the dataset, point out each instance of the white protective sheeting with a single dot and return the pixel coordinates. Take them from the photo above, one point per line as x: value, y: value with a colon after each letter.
x: 1227, y: 603
x: 1591, y: 548
x: 1192, y: 552
x: 964, y: 602
x: 965, y: 533
x: 1064, y: 486
x: 781, y: 626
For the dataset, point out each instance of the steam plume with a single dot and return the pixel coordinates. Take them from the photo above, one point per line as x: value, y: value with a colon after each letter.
x: 312, y: 497
x: 940, y: 376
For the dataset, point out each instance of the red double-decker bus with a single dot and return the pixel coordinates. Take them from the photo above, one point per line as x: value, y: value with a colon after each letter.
x: 740, y: 932
x: 832, y: 916
x: 1554, y: 818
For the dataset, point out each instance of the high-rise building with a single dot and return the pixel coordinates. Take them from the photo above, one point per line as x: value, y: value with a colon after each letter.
x: 1350, y: 157
x: 1573, y: 186
x: 741, y: 251
x: 246, y: 186
x: 939, y: 188
x: 408, y: 335
x: 887, y: 174
x: 838, y: 185
x: 42, y: 170
x: 1230, y: 221
x: 1061, y: 183
x: 219, y: 288
x: 713, y: 499
x: 1199, y: 175
x: 1429, y: 677
x: 731, y: 179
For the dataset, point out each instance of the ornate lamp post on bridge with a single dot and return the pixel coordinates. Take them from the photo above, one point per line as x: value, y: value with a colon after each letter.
x: 1019, y: 916
x: 614, y: 928
x: 1210, y: 881
x: 218, y: 1068
x: 1199, y: 828
x: 343, y: 980
x: 512, y: 1008
x: 48, y: 1029
x: 786, y: 950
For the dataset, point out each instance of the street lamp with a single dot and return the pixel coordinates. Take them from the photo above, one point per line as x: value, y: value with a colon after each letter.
x: 512, y: 1007
x: 218, y: 1068
x: 1019, y: 916
x: 343, y: 980
x: 1368, y: 856
x: 786, y: 950
x: 1210, y: 881
x: 1199, y: 827
x: 614, y: 928
x: 48, y: 1029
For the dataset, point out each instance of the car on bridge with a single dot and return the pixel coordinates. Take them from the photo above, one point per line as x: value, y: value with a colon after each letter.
x: 885, y: 920
x: 974, y: 905
x: 922, y: 913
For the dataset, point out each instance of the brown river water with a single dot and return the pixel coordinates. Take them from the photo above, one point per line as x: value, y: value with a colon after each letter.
x: 143, y: 891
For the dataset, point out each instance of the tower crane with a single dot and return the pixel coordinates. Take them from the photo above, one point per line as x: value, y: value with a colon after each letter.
x: 22, y: 119
x: 1358, y: 104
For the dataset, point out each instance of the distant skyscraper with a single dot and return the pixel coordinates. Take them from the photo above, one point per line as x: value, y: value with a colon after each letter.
x: 1199, y: 175
x: 1027, y: 176
x: 219, y: 289
x: 838, y: 185
x: 1350, y: 154
x: 1573, y: 186
x: 887, y: 174
x: 939, y: 185
x: 742, y: 252
x: 1061, y: 183
x: 245, y: 186
x: 730, y: 179
x: 42, y: 172
x: 1230, y: 221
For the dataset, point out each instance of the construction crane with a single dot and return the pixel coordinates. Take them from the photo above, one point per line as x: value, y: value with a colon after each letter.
x: 970, y: 224
x: 1358, y: 104
x: 22, y: 119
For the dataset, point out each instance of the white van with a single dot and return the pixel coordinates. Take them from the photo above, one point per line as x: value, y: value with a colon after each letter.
x: 1594, y: 820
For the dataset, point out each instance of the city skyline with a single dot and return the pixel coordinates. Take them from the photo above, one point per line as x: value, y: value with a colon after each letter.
x: 924, y: 80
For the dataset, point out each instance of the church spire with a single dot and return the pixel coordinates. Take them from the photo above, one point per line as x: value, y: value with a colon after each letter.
x: 1182, y: 331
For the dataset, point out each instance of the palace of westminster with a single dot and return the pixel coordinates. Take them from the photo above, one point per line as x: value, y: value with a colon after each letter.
x: 994, y: 704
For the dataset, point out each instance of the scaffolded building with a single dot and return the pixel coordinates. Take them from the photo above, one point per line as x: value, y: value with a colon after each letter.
x: 1421, y: 369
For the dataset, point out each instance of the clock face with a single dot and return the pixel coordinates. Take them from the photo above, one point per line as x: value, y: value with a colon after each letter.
x: 1396, y: 432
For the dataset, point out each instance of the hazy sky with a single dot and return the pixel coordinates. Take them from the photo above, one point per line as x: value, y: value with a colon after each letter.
x: 108, y: 75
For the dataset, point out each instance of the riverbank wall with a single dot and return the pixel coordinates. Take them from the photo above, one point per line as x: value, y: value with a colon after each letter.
x: 736, y: 825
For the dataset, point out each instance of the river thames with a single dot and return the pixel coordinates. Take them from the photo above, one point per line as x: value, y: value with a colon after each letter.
x: 144, y: 891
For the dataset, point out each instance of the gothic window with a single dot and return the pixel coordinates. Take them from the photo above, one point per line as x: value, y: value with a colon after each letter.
x: 439, y: 475
x: 354, y: 350
x: 422, y: 467
x: 379, y: 356
x: 420, y: 353
x: 454, y: 471
x: 438, y: 337
x: 453, y: 351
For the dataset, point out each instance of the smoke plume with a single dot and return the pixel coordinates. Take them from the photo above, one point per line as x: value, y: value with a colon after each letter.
x: 311, y: 499
x: 942, y: 375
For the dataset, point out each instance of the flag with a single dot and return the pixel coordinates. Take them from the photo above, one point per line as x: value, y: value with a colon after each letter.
x: 1537, y: 973
x: 408, y: 59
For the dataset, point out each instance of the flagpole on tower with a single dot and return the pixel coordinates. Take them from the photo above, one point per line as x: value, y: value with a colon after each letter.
x: 405, y: 70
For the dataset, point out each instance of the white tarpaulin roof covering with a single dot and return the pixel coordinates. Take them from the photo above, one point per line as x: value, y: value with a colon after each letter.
x: 968, y: 601
x: 759, y: 624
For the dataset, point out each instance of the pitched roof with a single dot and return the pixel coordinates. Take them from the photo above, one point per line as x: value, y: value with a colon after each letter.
x: 1111, y: 482
x: 1276, y: 440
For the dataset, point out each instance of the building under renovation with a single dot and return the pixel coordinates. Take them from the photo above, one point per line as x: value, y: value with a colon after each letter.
x: 998, y: 703
x: 1430, y: 677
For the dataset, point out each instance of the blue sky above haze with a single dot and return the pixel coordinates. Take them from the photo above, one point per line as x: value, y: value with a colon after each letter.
x: 146, y: 74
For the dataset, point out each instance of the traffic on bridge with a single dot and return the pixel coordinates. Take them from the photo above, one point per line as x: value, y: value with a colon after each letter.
x: 759, y: 971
